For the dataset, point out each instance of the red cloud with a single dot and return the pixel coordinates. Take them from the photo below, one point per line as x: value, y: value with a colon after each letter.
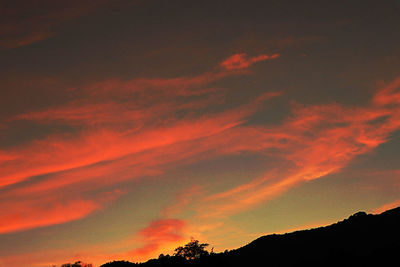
x: 316, y: 141
x: 17, y: 216
x: 159, y: 233
x: 137, y: 138
x: 38, y: 210
x: 389, y: 94
x: 164, y: 230
x: 116, y: 141
x: 55, y: 155
x: 241, y: 61
x: 132, y: 159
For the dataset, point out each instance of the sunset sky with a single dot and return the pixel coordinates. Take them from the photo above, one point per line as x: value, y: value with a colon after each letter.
x: 127, y: 127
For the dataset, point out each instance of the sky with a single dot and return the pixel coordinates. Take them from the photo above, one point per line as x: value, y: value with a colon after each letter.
x: 128, y: 127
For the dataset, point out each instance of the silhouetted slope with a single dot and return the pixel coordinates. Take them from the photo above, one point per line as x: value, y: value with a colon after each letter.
x: 361, y: 240
x: 119, y: 264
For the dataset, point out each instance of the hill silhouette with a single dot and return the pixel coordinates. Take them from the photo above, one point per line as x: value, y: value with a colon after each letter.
x: 361, y: 240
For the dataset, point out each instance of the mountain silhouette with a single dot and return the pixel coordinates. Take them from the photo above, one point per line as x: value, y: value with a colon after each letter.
x: 361, y: 240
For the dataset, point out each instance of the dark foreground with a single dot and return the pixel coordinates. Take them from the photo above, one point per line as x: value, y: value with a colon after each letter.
x: 361, y: 240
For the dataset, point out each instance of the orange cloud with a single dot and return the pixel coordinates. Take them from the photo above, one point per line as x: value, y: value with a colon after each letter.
x: 136, y: 138
x: 32, y: 211
x: 388, y: 206
x: 313, y: 142
x: 119, y: 141
x: 58, y: 154
x: 158, y: 234
x: 241, y: 61
x: 138, y: 101
x: 316, y: 141
x: 157, y: 237
x: 132, y: 159
x: 26, y: 215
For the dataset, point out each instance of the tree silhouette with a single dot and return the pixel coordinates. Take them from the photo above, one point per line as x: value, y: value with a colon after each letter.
x: 192, y: 250
x: 77, y: 264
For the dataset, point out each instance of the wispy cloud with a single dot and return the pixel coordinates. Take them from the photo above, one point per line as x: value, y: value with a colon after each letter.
x: 242, y: 61
x: 39, y: 210
x: 127, y: 130
x: 25, y: 215
x: 123, y: 129
x: 160, y: 233
x: 314, y: 142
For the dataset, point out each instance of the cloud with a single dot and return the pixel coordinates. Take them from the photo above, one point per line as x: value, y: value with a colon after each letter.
x: 241, y: 61
x: 60, y: 154
x: 85, y: 165
x: 314, y: 142
x: 23, y: 216
x: 155, y: 128
x: 159, y: 233
x: 388, y: 95
x: 387, y: 206
x: 32, y: 211
x: 126, y: 130
x: 161, y: 124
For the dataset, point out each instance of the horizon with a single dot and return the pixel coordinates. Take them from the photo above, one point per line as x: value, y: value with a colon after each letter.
x: 128, y: 127
x: 283, y: 234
